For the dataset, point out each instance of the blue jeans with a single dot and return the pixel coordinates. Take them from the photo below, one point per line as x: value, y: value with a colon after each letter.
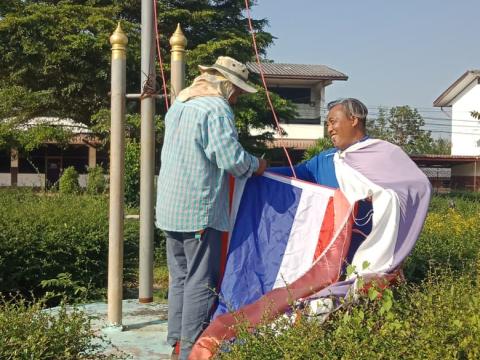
x: 194, y: 267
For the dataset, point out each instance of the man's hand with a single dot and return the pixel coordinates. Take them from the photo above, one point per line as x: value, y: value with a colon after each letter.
x: 261, y: 167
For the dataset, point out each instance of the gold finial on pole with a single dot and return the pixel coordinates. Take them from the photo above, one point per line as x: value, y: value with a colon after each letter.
x: 178, y: 42
x: 119, y: 42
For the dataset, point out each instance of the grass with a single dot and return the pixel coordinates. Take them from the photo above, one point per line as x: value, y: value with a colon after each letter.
x: 160, y: 284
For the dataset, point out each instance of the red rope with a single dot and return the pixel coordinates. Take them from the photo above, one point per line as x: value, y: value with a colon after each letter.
x: 265, y: 85
x: 160, y: 54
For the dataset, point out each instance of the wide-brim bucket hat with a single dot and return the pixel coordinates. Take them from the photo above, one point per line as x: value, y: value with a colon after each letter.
x: 233, y: 70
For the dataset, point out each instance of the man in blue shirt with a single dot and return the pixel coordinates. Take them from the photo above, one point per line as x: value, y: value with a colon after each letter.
x: 200, y: 150
x: 346, y: 125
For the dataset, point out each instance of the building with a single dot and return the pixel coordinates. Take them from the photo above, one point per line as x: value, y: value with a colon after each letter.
x: 450, y: 172
x: 463, y: 97
x: 304, y: 85
x: 43, y: 167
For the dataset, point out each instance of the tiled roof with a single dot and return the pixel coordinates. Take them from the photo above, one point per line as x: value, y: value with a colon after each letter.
x: 297, y: 71
x: 445, y: 99
x: 445, y: 157
x: 66, y: 123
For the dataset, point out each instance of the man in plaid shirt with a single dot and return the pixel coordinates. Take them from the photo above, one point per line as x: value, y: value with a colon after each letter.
x: 200, y: 149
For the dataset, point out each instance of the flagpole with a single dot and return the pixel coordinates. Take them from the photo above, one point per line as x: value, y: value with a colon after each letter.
x: 147, y: 154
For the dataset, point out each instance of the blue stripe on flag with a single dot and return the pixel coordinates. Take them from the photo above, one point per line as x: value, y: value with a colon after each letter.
x: 260, y: 235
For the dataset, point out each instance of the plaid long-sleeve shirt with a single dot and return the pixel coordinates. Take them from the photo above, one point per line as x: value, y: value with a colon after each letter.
x: 200, y: 148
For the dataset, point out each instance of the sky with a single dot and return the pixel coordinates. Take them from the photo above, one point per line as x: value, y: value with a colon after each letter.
x: 403, y: 52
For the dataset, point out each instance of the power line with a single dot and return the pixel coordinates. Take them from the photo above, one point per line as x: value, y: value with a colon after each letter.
x: 471, y: 120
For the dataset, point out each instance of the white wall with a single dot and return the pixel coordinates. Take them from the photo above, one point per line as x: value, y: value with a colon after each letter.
x: 296, y: 131
x: 302, y: 131
x: 82, y: 180
x: 36, y: 180
x: 5, y: 179
x: 465, y: 128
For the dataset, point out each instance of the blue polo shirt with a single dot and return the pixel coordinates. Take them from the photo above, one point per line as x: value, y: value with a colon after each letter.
x: 321, y: 170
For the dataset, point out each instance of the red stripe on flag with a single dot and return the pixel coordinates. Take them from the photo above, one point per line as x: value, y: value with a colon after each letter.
x: 326, y: 231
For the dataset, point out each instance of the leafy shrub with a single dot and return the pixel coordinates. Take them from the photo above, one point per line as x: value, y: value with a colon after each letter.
x: 96, y: 183
x: 450, y: 238
x: 69, y: 181
x: 437, y: 320
x: 31, y: 332
x: 433, y: 316
x: 321, y: 144
x: 132, y: 173
x: 60, y: 241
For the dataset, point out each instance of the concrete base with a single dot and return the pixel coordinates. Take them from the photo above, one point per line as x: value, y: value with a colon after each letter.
x: 144, y: 332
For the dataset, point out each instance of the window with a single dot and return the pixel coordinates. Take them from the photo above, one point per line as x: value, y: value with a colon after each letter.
x: 4, y: 161
x: 32, y: 164
x: 296, y: 95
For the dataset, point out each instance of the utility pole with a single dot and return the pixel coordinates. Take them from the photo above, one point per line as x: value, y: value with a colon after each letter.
x: 147, y: 153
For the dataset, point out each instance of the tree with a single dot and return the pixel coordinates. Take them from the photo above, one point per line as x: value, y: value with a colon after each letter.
x: 59, y: 54
x: 320, y: 145
x: 404, y: 127
x: 55, y: 54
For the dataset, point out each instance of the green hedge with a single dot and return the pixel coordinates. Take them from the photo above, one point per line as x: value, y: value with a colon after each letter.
x: 450, y: 237
x: 68, y: 183
x: 28, y: 331
x: 439, y: 319
x: 96, y: 183
x: 60, y: 241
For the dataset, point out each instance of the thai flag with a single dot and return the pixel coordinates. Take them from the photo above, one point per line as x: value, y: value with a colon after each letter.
x: 288, y: 241
x: 281, y: 227
x: 289, y: 238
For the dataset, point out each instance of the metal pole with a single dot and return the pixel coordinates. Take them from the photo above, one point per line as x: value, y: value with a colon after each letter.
x: 117, y: 169
x: 178, y: 42
x: 147, y: 154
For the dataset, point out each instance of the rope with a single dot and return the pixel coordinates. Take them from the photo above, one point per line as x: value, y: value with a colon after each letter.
x: 148, y: 87
x: 157, y: 36
x: 359, y: 232
x: 262, y: 74
x: 279, y: 130
x: 366, y: 218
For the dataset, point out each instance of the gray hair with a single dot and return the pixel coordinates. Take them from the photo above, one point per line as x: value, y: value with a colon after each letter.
x: 352, y: 107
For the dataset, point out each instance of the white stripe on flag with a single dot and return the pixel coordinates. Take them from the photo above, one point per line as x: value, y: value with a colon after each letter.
x: 303, y: 240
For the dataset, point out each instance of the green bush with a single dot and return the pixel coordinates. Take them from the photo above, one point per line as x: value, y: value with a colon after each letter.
x: 96, y: 183
x: 438, y: 319
x: 31, y: 332
x: 60, y: 241
x: 132, y: 173
x: 321, y: 144
x: 68, y: 183
x: 450, y: 238
x: 435, y: 315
